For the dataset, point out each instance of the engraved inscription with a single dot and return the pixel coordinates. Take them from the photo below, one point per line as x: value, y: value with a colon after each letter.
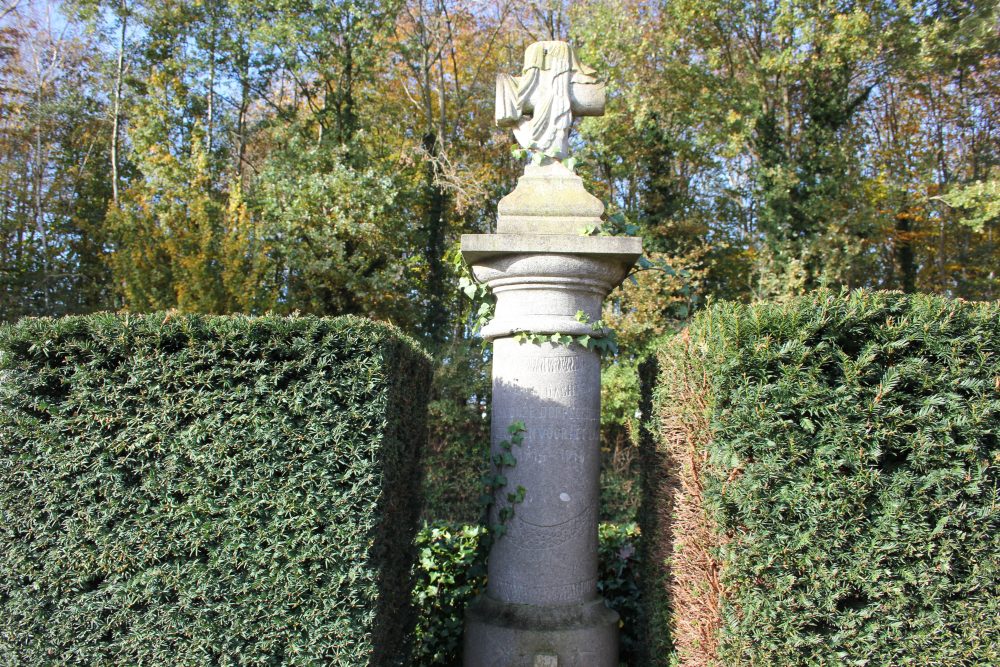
x: 558, y: 391
x: 509, y: 590
x: 568, y: 432
x: 560, y: 412
x: 556, y: 455
x: 549, y: 364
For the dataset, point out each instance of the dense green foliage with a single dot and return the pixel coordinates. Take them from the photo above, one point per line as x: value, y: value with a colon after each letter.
x: 459, y: 429
x: 451, y: 571
x: 851, y: 472
x: 617, y: 581
x: 208, y: 490
x: 242, y: 155
x: 259, y: 156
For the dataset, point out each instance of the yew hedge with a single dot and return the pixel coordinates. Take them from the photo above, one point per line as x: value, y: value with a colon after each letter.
x: 828, y: 472
x: 208, y: 490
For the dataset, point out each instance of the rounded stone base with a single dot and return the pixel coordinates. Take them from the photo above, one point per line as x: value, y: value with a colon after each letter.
x: 498, y: 634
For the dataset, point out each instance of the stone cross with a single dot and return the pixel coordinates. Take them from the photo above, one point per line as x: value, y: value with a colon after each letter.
x: 550, y: 277
x: 554, y: 87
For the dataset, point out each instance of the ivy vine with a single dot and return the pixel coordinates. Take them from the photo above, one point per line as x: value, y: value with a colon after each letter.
x: 604, y: 341
x: 619, y: 225
x: 483, y: 301
x: 493, y: 482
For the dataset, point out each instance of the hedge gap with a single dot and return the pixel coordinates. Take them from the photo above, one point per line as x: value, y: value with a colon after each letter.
x: 834, y: 459
x: 191, y: 490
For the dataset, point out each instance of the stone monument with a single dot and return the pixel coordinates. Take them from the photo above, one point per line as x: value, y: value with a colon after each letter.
x: 541, y: 607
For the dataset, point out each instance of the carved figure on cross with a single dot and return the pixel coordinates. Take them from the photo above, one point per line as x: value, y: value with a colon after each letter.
x: 540, y: 104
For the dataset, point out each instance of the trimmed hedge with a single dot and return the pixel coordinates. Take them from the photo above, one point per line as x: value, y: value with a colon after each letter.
x: 208, y: 490
x: 843, y: 451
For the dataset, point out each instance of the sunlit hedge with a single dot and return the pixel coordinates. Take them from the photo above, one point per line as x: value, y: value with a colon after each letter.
x: 208, y: 490
x: 830, y: 468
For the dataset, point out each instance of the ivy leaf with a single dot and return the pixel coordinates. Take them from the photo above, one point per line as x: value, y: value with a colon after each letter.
x: 516, y: 427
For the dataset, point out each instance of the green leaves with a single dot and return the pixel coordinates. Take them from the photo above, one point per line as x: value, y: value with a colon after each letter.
x: 516, y: 428
x: 561, y: 339
x: 494, y: 481
x: 451, y: 571
x: 604, y: 340
x: 484, y: 303
x: 980, y: 201
x: 849, y: 473
x: 184, y: 489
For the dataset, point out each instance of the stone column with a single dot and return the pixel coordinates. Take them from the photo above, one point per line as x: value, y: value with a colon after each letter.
x: 541, y: 608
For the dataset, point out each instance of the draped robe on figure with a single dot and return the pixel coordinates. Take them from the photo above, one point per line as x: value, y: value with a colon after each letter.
x: 549, y: 67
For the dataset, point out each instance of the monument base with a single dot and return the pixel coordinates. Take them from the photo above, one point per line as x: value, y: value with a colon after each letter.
x: 498, y: 634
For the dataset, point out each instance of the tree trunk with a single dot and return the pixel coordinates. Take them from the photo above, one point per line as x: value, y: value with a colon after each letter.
x: 211, y: 93
x: 436, y: 316
x: 903, y: 250
x: 241, y: 121
x: 116, y: 119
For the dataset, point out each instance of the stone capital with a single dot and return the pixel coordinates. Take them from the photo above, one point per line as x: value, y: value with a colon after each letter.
x: 542, y: 281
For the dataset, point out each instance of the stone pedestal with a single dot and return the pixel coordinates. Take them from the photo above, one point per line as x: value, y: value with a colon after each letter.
x: 541, y: 607
x: 549, y: 199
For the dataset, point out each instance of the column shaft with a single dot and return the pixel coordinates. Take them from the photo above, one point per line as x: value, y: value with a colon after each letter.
x: 548, y: 555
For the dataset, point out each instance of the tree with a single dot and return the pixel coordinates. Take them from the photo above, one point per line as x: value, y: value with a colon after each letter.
x: 53, y: 188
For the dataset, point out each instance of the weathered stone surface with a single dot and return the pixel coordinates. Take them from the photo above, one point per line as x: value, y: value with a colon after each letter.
x: 549, y: 554
x: 542, y: 593
x: 540, y: 104
x: 506, y: 635
x: 541, y: 282
x: 541, y: 607
x: 549, y: 199
x: 476, y: 247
